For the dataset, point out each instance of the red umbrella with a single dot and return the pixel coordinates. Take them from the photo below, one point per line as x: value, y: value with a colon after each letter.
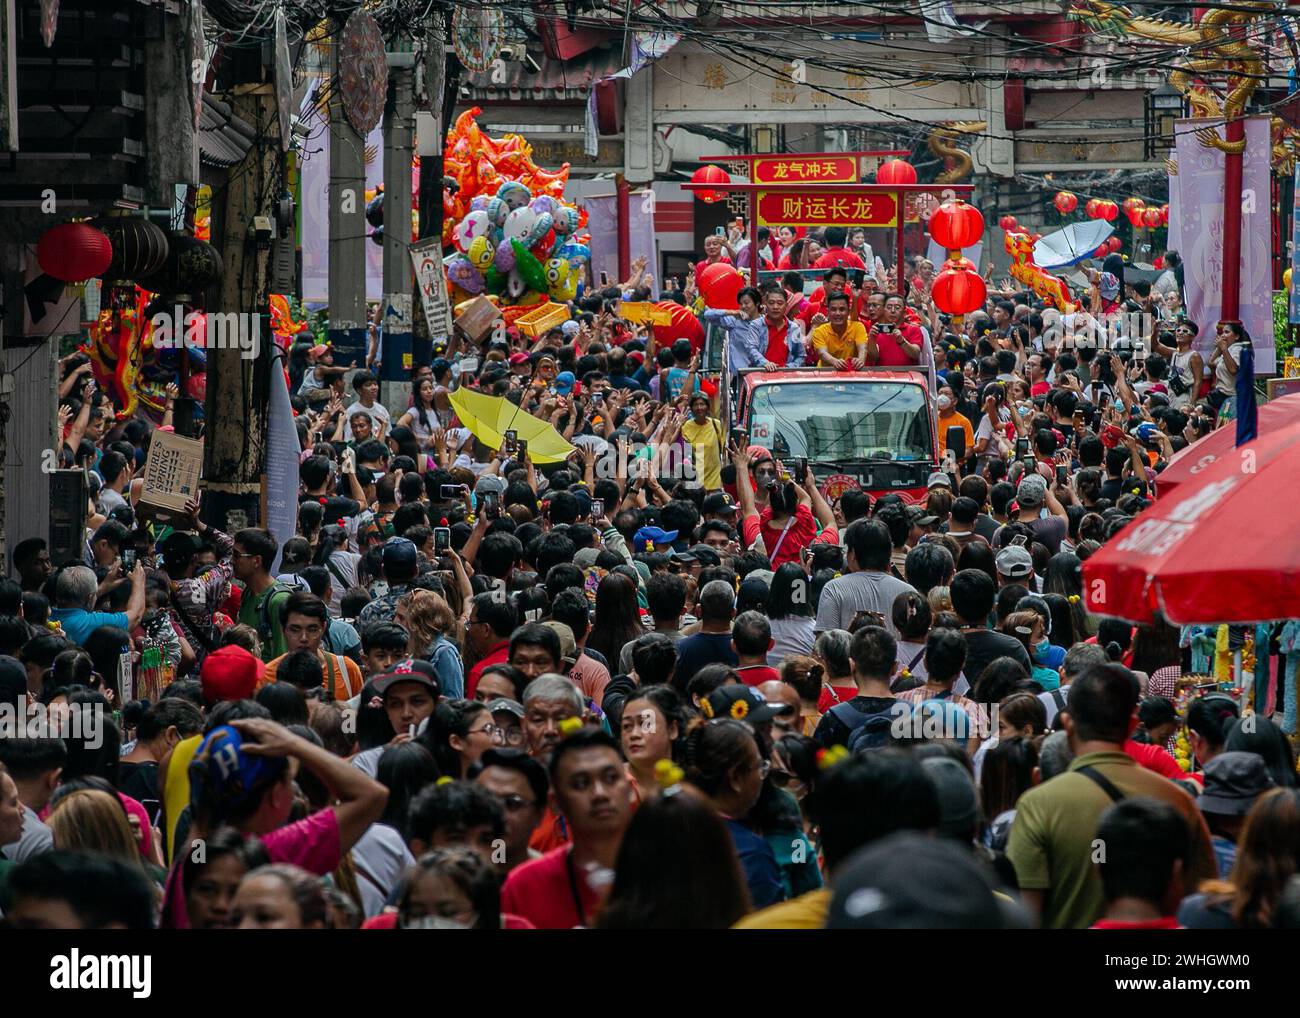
x: 1221, y: 549
x: 1189, y: 463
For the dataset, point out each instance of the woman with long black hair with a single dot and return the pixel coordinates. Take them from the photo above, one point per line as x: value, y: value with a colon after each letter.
x: 332, y: 553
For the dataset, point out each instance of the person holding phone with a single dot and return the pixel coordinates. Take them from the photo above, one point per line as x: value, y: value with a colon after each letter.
x: 893, y: 341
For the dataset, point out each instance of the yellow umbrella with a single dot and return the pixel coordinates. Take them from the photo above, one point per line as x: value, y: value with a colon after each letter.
x: 490, y: 417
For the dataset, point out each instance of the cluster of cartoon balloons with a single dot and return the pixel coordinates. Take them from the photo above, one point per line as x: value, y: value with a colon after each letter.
x: 519, y: 246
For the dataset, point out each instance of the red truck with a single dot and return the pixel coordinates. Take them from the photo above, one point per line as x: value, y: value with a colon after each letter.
x: 873, y: 429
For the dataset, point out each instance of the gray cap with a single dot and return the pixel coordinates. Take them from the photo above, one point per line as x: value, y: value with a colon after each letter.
x: 939, y: 479
x: 489, y: 484
x: 585, y: 558
x: 958, y: 801
x: 505, y: 705
x: 1014, y: 562
x: 1233, y: 781
x: 1032, y: 490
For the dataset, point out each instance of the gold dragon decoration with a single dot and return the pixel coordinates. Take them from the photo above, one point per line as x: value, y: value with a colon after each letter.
x: 1213, y: 50
x: 942, y: 142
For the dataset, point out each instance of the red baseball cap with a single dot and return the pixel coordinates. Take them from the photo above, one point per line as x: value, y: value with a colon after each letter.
x: 229, y: 673
x: 518, y: 358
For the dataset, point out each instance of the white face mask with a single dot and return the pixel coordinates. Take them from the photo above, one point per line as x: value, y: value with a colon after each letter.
x: 944, y: 402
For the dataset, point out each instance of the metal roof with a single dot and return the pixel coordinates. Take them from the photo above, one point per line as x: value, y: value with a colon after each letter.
x: 554, y: 79
x: 224, y: 139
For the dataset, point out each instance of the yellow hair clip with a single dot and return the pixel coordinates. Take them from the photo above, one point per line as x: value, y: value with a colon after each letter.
x: 570, y: 725
x: 832, y: 755
x: 1073, y: 599
x: 669, y: 775
x: 444, y: 780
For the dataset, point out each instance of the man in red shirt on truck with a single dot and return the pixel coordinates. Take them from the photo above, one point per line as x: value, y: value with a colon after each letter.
x: 892, y: 341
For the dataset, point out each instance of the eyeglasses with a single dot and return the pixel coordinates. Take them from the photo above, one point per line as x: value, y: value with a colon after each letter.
x: 514, y: 803
x: 780, y: 778
x: 490, y: 730
x: 509, y: 736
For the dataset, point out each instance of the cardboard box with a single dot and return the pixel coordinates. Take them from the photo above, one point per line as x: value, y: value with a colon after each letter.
x: 476, y: 318
x: 171, y: 477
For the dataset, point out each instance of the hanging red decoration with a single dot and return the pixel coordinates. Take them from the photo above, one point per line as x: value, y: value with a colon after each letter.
x: 74, y: 252
x: 896, y: 172
x: 1008, y: 223
x: 1151, y: 218
x: 1133, y: 204
x: 1092, y: 209
x: 719, y: 284
x: 710, y: 175
x: 1114, y: 244
x: 1159, y: 262
x: 1065, y: 202
x: 1109, y: 210
x: 956, y: 225
x: 1164, y: 215
x: 1102, y: 251
x: 958, y: 291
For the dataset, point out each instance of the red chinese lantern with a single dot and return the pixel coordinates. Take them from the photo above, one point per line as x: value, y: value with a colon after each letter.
x: 719, y: 284
x: 1092, y: 209
x: 958, y: 291
x: 1008, y: 223
x: 1133, y: 204
x: 684, y: 325
x: 1102, y: 251
x: 1164, y: 214
x: 74, y: 252
x: 1114, y: 244
x: 1109, y: 210
x: 710, y: 175
x: 896, y: 172
x: 1065, y: 202
x: 1151, y: 218
x: 956, y: 225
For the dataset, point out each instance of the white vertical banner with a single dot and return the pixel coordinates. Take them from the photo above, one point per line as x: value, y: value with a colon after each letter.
x: 282, y: 458
x: 1199, y: 208
x: 426, y: 256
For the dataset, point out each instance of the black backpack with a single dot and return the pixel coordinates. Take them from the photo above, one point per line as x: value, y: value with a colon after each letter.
x: 866, y: 731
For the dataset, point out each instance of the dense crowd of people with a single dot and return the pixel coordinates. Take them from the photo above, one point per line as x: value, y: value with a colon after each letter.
x: 665, y: 682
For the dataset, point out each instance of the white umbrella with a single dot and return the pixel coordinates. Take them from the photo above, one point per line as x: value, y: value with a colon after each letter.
x: 1072, y: 244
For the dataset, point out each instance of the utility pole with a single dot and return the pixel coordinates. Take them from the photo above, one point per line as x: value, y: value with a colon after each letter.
x: 238, y: 387
x: 347, y: 214
x: 398, y: 274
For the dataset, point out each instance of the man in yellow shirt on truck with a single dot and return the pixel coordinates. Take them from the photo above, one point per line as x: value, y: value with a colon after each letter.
x: 839, y: 343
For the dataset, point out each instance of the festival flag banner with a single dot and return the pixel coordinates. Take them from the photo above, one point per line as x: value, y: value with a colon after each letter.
x: 803, y: 170
x: 1293, y: 296
x: 1200, y: 236
x: 282, y: 459
x: 826, y: 208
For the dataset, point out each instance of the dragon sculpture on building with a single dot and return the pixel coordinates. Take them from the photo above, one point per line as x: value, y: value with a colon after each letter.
x: 1216, y: 47
x: 942, y: 142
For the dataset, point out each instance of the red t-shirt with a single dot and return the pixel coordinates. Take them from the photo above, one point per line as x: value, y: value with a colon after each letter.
x: 1167, y: 922
x: 777, y: 351
x: 891, y: 351
x: 541, y: 891
x: 803, y: 528
x: 1039, y: 389
x: 1154, y: 758
x: 826, y: 700
x: 496, y: 657
x: 841, y: 256
x: 756, y: 675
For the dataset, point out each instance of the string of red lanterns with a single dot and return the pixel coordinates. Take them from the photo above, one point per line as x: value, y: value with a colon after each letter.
x: 958, y: 288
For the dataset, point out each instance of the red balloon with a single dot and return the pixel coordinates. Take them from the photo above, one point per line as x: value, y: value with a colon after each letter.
x: 955, y: 225
x: 719, y: 284
x: 683, y: 326
x: 710, y: 175
x: 74, y: 252
x: 958, y: 291
x: 896, y: 171
x: 1008, y: 223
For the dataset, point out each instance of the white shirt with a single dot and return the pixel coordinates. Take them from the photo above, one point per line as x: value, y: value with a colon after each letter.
x: 378, y: 414
x: 380, y: 857
x: 791, y: 635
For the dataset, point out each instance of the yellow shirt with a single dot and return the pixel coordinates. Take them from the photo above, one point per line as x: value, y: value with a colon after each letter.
x: 842, y: 345
x: 806, y: 912
x: 706, y: 442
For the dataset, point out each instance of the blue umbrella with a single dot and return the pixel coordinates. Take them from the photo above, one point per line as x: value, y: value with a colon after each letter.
x: 1072, y: 244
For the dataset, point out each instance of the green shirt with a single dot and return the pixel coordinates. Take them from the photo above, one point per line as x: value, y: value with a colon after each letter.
x: 1053, y: 837
x: 250, y: 614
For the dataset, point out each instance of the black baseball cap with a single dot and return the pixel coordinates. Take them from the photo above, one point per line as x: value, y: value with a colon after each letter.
x: 743, y: 703
x: 410, y: 670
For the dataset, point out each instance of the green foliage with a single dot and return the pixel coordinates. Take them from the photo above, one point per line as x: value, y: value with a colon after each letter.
x: 1281, y: 330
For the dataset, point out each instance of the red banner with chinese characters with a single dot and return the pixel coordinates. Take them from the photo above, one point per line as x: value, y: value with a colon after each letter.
x: 811, y: 208
x: 801, y: 169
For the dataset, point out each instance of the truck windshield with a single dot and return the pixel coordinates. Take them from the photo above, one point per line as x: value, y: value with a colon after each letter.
x: 842, y: 421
